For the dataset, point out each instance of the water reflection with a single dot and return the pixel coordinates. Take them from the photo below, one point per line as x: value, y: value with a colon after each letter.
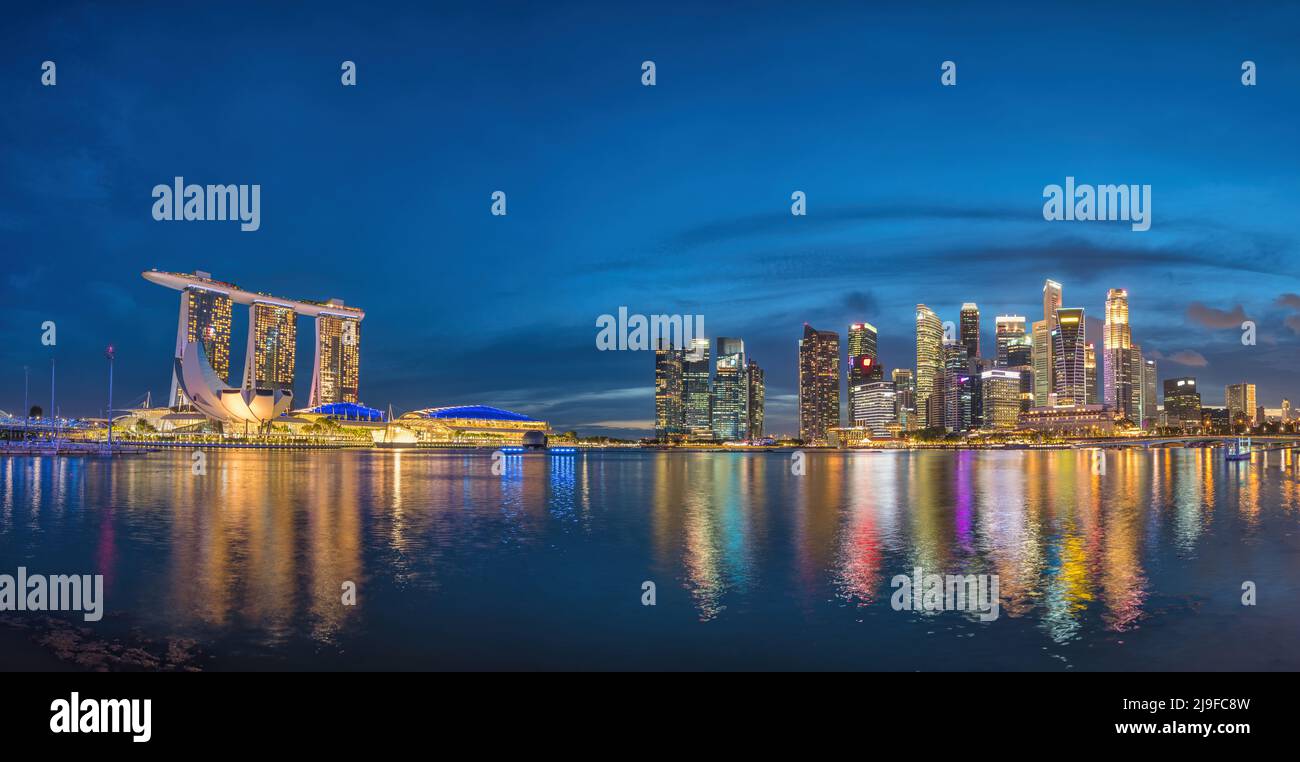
x: 258, y: 548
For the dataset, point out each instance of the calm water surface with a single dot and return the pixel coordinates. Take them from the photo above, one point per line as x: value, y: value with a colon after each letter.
x: 1137, y: 568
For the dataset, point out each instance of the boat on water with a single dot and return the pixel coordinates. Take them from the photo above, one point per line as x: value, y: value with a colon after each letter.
x: 1238, y: 451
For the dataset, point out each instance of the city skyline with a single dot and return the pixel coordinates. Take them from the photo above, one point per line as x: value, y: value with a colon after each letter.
x: 667, y: 200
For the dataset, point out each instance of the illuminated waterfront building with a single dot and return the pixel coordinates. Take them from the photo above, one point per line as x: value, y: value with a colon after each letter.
x: 819, y: 384
x: 880, y: 401
x: 730, y: 390
x: 697, y: 405
x: 1135, y: 387
x: 1182, y: 403
x: 336, y: 376
x: 1240, y: 401
x: 904, y: 399
x: 929, y: 367
x: 270, y: 361
x: 863, y: 367
x: 669, y: 407
x: 1090, y: 373
x: 1068, y: 339
x: 272, y: 346
x: 757, y: 395
x: 1020, y: 358
x: 862, y: 344
x: 958, y: 389
x: 1150, y: 404
x: 204, y: 320
x: 1069, y: 420
x: 476, y: 425
x: 1117, y: 343
x: 1001, y: 398
x: 969, y: 330
x: 1009, y: 329
x: 1044, y: 363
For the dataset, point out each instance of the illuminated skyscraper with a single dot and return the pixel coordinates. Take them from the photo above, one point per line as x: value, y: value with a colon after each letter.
x: 1020, y: 358
x: 270, y: 360
x: 669, y: 399
x: 1182, y: 403
x: 695, y: 380
x: 1044, y: 364
x: 1135, y: 386
x: 336, y: 376
x: 1009, y: 328
x: 863, y: 367
x: 904, y: 399
x: 970, y: 329
x: 730, y: 391
x: 958, y: 389
x: 205, y: 320
x: 1240, y: 400
x: 1068, y: 339
x: 1149, y: 402
x: 880, y: 405
x: 1118, y: 361
x: 1043, y: 370
x: 1090, y: 373
x: 756, y: 401
x: 272, y: 346
x: 819, y: 384
x: 929, y: 367
x: 1001, y: 391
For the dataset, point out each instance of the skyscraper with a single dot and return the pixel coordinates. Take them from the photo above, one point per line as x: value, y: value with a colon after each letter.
x: 1240, y: 400
x: 1009, y: 328
x: 1117, y: 343
x: 1149, y: 403
x: 1020, y: 358
x: 1043, y: 370
x: 1090, y: 373
x: 1045, y: 383
x: 880, y: 406
x: 1068, y: 339
x: 669, y: 398
x: 1182, y: 403
x: 730, y: 390
x: 1135, y: 393
x: 1001, y: 391
x: 337, y: 375
x: 272, y: 346
x: 863, y: 366
x: 205, y: 320
x: 904, y: 399
x: 929, y: 366
x: 698, y: 412
x: 757, y: 395
x: 970, y: 329
x: 270, y: 360
x: 819, y: 385
x: 958, y: 388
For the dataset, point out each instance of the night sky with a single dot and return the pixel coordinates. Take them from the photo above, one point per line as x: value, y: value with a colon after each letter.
x: 665, y: 199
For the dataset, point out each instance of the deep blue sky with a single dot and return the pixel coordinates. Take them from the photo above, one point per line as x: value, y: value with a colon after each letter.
x: 671, y: 199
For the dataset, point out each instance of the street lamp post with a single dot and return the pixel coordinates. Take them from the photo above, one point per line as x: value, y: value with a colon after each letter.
x: 109, y: 354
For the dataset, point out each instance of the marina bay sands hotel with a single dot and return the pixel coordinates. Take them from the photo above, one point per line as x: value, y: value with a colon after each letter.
x: 272, y: 338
